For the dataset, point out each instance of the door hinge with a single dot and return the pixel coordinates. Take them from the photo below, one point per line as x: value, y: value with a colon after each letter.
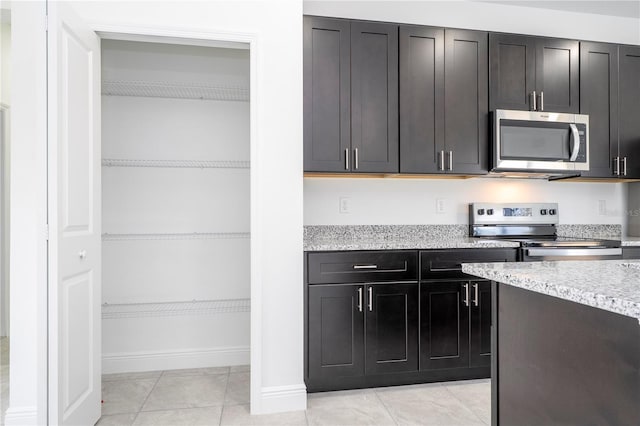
x: 46, y: 23
x: 45, y: 232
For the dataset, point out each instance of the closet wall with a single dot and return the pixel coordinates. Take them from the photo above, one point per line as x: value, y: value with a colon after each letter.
x: 175, y: 182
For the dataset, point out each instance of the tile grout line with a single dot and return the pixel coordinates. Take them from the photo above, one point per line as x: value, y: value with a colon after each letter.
x: 375, y: 391
x: 147, y: 397
x: 224, y: 397
x: 464, y: 405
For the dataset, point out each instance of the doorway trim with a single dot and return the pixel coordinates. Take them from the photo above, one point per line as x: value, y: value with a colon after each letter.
x: 225, y: 39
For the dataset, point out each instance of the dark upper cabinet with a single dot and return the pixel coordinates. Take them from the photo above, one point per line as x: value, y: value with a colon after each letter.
x: 444, y: 325
x: 374, y: 97
x: 599, y: 99
x: 421, y: 99
x: 443, y: 101
x: 327, y: 94
x: 480, y: 324
x: 521, y: 65
x: 350, y: 96
x: 512, y: 71
x: 558, y: 75
x: 629, y: 111
x: 391, y: 328
x: 466, y: 103
x: 335, y: 331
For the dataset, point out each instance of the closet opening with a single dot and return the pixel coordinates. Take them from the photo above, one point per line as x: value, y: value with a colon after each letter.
x: 176, y: 272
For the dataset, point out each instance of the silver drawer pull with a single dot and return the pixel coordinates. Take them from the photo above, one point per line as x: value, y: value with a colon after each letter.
x: 365, y: 266
x: 475, y: 289
x: 466, y: 294
x: 370, y: 299
x: 360, y: 299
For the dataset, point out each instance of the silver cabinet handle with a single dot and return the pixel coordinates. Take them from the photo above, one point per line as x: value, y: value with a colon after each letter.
x: 450, y: 160
x: 346, y: 158
x: 533, y: 101
x: 475, y: 290
x: 370, y: 298
x: 541, y: 101
x: 576, y: 142
x: 624, y: 166
x: 466, y: 294
x: 372, y: 266
x: 355, y: 158
x: 360, y: 299
x: 441, y: 161
x: 616, y: 169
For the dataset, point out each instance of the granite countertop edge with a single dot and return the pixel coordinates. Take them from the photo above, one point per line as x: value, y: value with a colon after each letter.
x: 532, y: 279
x: 406, y: 244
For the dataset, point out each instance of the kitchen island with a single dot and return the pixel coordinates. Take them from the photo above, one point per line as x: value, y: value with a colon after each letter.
x: 566, y: 342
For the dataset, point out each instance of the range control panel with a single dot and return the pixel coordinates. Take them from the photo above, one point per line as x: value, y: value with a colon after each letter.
x: 513, y: 213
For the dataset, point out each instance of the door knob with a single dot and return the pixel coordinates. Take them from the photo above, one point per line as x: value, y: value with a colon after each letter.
x: 82, y: 254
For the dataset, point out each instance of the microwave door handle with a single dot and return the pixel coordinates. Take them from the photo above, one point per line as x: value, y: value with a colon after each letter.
x: 576, y: 142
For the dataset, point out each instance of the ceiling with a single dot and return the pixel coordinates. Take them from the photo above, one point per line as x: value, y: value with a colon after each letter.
x: 627, y: 9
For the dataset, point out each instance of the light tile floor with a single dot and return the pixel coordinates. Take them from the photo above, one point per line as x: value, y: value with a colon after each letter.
x: 220, y: 396
x: 4, y: 377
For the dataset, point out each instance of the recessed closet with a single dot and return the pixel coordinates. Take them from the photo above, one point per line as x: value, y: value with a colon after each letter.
x: 175, y: 206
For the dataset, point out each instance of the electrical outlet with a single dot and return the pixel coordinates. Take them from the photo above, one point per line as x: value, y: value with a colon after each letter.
x: 602, y: 207
x: 441, y: 205
x: 345, y: 205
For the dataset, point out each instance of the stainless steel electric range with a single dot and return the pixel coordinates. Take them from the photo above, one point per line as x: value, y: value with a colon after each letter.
x: 534, y: 226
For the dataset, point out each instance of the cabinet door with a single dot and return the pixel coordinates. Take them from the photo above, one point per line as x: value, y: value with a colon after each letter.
x: 421, y: 99
x: 391, y: 328
x: 466, y: 102
x: 444, y: 325
x: 557, y: 75
x: 374, y: 97
x: 327, y: 95
x: 512, y: 71
x: 599, y: 99
x: 336, y: 331
x: 629, y: 124
x: 480, y: 337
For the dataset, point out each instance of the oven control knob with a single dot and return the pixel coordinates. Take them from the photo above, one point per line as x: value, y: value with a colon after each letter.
x: 543, y: 212
x: 552, y: 211
x: 480, y: 212
x: 489, y: 212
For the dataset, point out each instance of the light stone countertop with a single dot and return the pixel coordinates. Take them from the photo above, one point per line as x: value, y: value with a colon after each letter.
x: 403, y: 243
x: 612, y: 285
x: 630, y: 241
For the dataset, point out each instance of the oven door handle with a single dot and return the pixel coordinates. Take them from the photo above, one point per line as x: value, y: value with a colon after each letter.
x: 576, y: 142
x: 568, y: 252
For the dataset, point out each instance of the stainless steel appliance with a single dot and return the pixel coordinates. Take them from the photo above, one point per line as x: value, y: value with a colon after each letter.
x: 540, y: 142
x: 533, y: 225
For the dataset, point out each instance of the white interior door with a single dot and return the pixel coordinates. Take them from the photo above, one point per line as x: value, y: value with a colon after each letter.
x: 74, y: 218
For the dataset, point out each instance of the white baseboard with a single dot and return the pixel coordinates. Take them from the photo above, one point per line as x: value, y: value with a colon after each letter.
x: 174, y: 360
x: 21, y: 416
x: 278, y: 399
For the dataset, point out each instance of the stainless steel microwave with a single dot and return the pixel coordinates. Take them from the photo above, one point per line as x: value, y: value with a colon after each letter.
x: 540, y: 142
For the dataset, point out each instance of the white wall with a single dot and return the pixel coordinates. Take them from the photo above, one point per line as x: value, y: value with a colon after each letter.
x: 5, y: 138
x: 278, y: 26
x: 28, y: 371
x: 413, y: 201
x: 409, y: 201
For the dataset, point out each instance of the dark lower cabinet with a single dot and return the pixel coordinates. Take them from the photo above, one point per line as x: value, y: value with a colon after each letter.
x: 391, y: 324
x: 336, y: 331
x: 398, y: 321
x: 455, y: 324
x: 444, y: 325
x: 341, y: 315
x: 480, y: 324
x: 631, y: 252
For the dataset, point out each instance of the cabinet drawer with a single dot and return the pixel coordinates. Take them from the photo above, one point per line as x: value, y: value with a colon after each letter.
x: 362, y: 266
x: 448, y: 263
